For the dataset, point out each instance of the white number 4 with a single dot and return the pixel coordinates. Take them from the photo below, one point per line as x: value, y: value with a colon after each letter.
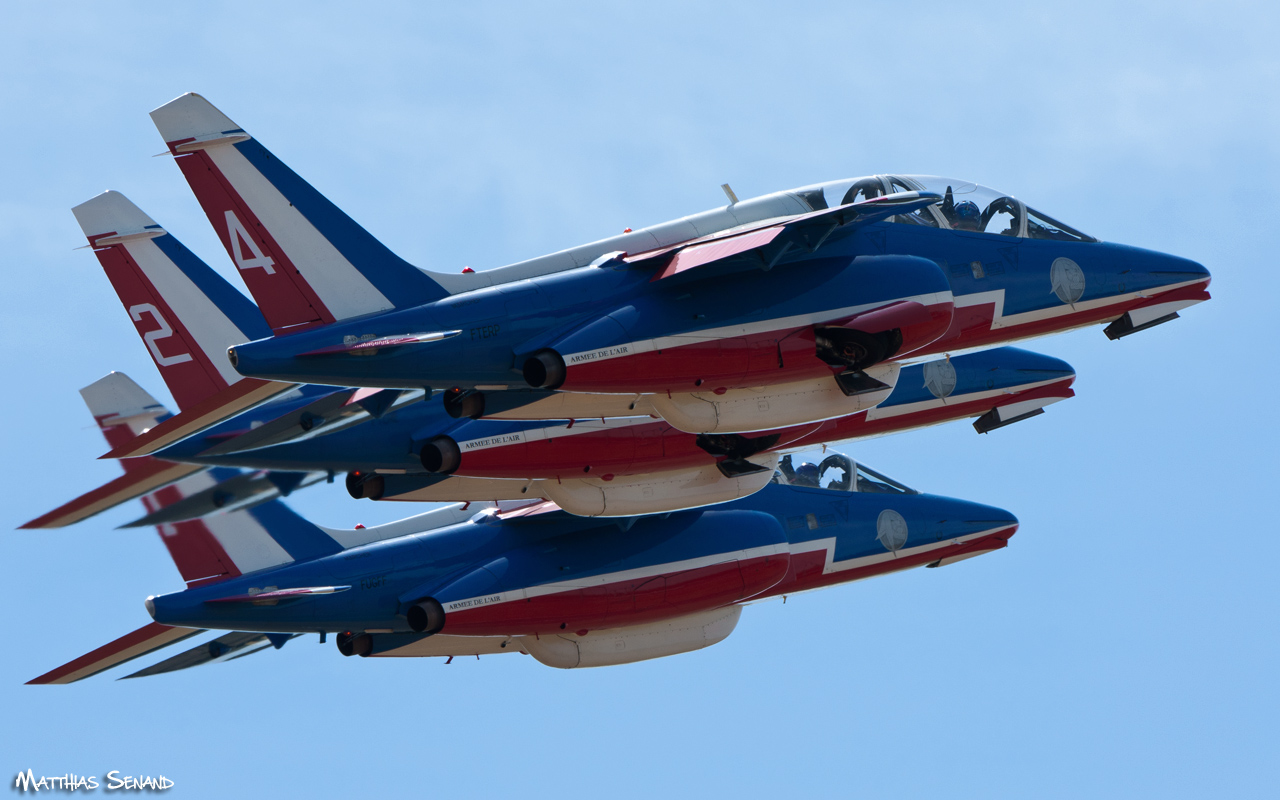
x: 238, y: 233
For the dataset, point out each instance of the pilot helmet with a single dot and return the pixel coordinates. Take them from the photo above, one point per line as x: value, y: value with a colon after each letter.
x: 966, y: 216
x: 807, y: 474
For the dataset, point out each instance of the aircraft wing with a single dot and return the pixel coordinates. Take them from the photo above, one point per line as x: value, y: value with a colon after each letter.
x: 151, y: 474
x: 239, y: 396
x: 770, y: 242
x: 242, y: 491
x: 236, y: 644
x: 345, y: 406
x: 146, y: 639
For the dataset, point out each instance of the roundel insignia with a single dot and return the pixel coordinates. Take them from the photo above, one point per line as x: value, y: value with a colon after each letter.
x: 891, y: 530
x: 940, y: 377
x: 1067, y: 280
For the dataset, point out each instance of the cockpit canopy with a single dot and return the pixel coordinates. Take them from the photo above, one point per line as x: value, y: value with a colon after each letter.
x: 965, y: 206
x: 836, y: 472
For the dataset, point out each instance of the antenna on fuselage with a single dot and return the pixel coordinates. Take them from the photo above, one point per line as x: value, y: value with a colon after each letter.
x: 733, y: 198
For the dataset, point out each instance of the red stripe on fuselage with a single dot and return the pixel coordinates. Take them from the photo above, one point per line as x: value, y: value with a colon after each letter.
x: 806, y: 572
x: 650, y: 599
x: 757, y: 359
x: 728, y: 363
x: 972, y: 324
x: 631, y: 450
x: 629, y: 602
x: 858, y: 425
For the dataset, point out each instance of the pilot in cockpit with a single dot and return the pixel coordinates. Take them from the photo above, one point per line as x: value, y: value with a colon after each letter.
x: 962, y: 216
x: 806, y: 475
x: 966, y: 216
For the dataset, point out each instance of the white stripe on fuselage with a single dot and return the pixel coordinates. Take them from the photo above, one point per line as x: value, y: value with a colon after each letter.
x: 831, y: 565
x: 707, y: 561
x: 999, y: 320
x: 552, y: 432
x: 639, y: 573
x: 883, y: 412
x: 747, y: 329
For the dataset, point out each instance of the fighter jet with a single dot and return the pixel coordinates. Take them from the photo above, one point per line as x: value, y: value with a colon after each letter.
x: 395, y: 448
x: 806, y: 290
x: 620, y: 467
x: 527, y: 577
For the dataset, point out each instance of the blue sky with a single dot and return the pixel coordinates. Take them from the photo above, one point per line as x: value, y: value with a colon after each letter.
x: 1124, y: 644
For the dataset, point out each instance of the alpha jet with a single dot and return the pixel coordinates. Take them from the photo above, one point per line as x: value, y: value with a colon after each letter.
x: 186, y: 314
x: 637, y: 465
x: 527, y: 577
x: 801, y: 292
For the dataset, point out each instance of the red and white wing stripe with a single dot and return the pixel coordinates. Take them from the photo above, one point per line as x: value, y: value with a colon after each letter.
x: 149, y: 475
x: 237, y: 397
x: 146, y: 639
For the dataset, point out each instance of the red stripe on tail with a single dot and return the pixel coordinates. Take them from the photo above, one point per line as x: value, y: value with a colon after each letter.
x: 287, y: 301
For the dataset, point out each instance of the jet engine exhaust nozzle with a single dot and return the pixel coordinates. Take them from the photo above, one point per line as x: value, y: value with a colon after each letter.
x: 361, y: 485
x: 355, y: 644
x: 441, y: 455
x: 426, y: 615
x: 544, y: 369
x: 459, y: 403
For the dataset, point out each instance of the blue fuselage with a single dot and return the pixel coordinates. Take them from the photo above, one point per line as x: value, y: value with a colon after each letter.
x: 492, y: 556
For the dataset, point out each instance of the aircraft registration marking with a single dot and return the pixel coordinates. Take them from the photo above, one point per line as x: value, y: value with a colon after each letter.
x: 602, y: 354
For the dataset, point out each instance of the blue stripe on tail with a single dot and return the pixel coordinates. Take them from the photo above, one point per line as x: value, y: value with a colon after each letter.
x: 299, y: 538
x: 238, y: 308
x: 399, y: 281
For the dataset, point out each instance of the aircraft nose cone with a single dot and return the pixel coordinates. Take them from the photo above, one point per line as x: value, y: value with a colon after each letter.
x: 975, y: 518
x: 1027, y: 361
x: 1176, y: 269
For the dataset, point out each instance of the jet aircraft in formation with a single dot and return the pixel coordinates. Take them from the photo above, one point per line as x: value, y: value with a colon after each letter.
x: 620, y: 427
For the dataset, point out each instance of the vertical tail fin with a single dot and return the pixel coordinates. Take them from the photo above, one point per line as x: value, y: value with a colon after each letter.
x: 225, y: 545
x: 186, y: 314
x: 122, y: 409
x: 304, y: 260
x: 215, y: 547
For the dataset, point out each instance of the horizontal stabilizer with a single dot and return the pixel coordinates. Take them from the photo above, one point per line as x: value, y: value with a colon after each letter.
x: 149, y: 475
x: 271, y: 598
x: 245, y: 490
x: 287, y: 427
x: 326, y: 414
x: 234, y: 399
x: 232, y: 645
x: 146, y: 639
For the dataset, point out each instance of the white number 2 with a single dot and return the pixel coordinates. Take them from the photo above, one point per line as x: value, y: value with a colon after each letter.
x: 151, y: 337
x: 238, y: 233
